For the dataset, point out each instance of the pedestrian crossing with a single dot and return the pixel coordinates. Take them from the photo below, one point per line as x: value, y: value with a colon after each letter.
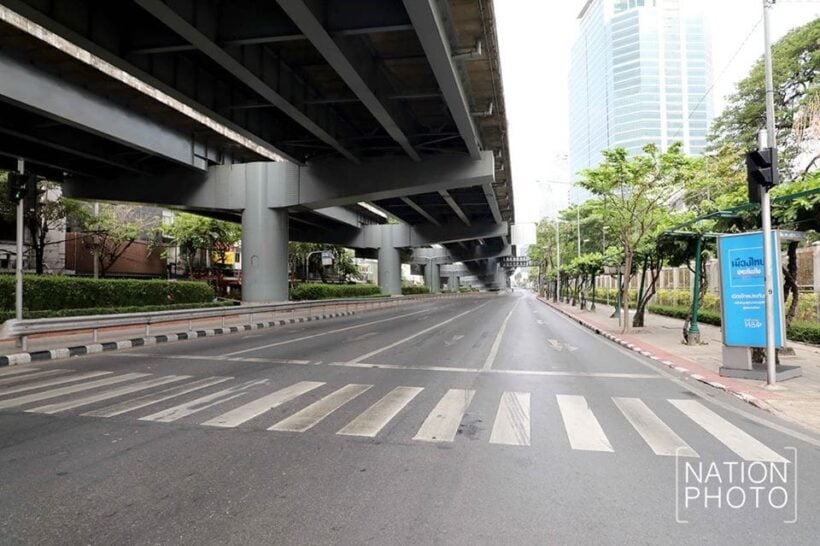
x: 227, y: 403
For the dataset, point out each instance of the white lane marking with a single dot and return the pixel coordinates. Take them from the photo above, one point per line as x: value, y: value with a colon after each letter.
x: 582, y: 428
x: 657, y: 434
x: 54, y: 393
x: 611, y: 375
x: 372, y: 420
x: 539, y: 322
x: 364, y: 336
x: 51, y: 382
x: 488, y: 364
x: 107, y: 395
x: 320, y: 334
x: 153, y: 398
x: 314, y: 413
x: 17, y: 370
x: 36, y: 375
x: 203, y: 403
x: 726, y: 433
x: 512, y: 421
x: 259, y: 406
x: 442, y: 423
x: 453, y: 340
x: 414, y: 336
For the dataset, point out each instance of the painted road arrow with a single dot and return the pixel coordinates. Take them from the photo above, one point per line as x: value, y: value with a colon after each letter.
x: 558, y: 346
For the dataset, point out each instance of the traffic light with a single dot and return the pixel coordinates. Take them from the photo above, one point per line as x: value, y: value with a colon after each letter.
x: 761, y: 172
x: 18, y: 186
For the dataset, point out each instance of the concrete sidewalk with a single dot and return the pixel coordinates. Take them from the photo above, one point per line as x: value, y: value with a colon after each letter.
x: 797, y: 400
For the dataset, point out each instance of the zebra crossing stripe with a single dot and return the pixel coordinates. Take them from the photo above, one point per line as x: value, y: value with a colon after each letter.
x: 660, y: 438
x: 373, y: 419
x: 154, y: 398
x: 203, y: 403
x: 107, y: 395
x: 51, y: 382
x: 36, y: 397
x: 582, y: 428
x: 28, y: 377
x: 726, y: 433
x: 16, y: 370
x: 314, y: 413
x: 512, y: 421
x: 259, y: 406
x: 442, y: 423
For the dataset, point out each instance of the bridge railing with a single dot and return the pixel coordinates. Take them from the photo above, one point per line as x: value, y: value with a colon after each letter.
x: 218, y: 317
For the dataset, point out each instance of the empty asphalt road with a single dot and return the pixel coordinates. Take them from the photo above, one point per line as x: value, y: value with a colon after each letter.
x: 484, y: 419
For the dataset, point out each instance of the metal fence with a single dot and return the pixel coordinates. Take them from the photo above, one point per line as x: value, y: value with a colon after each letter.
x: 219, y: 317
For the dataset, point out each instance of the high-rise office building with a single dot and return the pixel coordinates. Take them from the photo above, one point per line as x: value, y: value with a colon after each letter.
x: 640, y: 72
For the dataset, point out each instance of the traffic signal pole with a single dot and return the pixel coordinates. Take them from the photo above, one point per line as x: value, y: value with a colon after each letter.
x: 767, y: 140
x: 18, y: 293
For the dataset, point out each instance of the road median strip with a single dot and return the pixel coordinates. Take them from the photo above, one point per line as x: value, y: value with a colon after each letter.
x: 91, y: 348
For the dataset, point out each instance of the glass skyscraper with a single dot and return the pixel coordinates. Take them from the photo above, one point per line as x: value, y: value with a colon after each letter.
x: 640, y: 72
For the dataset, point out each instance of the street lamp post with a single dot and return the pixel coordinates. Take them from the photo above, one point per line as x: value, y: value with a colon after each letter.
x: 603, y: 251
x: 307, y: 262
x: 558, y: 259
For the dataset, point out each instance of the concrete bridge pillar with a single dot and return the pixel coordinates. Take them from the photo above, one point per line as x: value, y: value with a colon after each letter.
x: 432, y: 277
x: 264, y: 246
x: 389, y: 265
x: 452, y: 282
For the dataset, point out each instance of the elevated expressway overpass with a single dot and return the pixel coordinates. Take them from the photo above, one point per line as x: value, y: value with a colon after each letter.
x: 298, y: 118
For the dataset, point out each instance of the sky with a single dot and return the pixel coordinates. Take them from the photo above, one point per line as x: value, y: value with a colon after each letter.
x: 535, y: 38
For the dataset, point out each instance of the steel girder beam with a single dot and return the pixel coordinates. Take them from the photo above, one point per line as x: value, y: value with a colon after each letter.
x: 353, y: 67
x: 489, y: 194
x: 454, y: 206
x: 247, y: 23
x: 444, y: 255
x: 400, y: 235
x: 416, y: 207
x: 318, y: 185
x: 35, y: 89
x: 147, y: 76
x: 212, y: 50
x: 427, y: 21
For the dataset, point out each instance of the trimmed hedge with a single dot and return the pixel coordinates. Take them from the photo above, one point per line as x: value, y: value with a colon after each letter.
x: 6, y: 315
x: 413, y: 289
x: 704, y: 315
x: 53, y: 292
x: 316, y: 291
x: 803, y: 332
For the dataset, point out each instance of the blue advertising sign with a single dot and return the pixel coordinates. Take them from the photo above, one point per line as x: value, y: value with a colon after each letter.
x: 742, y: 297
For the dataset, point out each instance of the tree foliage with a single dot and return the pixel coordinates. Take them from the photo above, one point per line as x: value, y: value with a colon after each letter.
x: 193, y: 234
x: 111, y: 231
x: 44, y: 213
x: 634, y: 191
x: 795, y: 67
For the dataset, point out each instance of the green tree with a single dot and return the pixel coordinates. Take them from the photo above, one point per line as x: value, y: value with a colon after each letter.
x: 192, y: 234
x: 44, y: 213
x: 635, y: 191
x: 795, y: 67
x: 111, y: 232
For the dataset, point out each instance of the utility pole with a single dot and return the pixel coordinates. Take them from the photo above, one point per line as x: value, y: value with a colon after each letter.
x: 558, y: 257
x: 18, y: 292
x: 768, y: 140
x: 96, y: 253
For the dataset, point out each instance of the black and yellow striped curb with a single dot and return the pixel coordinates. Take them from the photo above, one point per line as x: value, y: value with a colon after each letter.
x: 92, y: 348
